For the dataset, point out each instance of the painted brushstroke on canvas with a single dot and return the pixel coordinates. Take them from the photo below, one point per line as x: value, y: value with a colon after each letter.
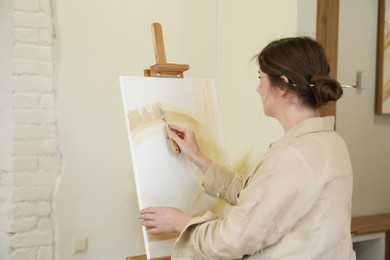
x: 162, y: 177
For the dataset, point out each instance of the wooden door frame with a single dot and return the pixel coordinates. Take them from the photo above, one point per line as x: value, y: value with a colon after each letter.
x: 327, y: 33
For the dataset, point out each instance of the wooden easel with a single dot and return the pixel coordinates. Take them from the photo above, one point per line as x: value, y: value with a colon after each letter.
x: 161, y: 69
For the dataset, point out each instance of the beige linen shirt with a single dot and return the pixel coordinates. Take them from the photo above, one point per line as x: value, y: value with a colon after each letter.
x: 296, y: 204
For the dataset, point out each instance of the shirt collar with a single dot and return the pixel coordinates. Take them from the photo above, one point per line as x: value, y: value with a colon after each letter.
x: 311, y: 125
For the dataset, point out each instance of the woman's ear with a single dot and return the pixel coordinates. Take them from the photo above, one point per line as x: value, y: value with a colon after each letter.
x: 283, y: 91
x: 284, y: 78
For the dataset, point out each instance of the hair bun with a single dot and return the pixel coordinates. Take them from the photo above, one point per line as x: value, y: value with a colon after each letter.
x: 325, y: 89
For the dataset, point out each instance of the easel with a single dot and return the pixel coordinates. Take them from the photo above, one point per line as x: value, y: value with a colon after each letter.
x: 161, y: 69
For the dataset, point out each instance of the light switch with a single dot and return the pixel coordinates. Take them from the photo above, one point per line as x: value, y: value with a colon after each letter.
x: 80, y: 245
x: 361, y: 80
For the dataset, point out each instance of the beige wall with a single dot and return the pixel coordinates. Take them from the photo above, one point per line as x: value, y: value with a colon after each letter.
x: 246, y: 27
x: 6, y: 122
x: 6, y: 58
x: 98, y: 41
x: 367, y: 135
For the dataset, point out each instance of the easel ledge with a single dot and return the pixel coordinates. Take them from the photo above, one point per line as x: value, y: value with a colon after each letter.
x: 161, y: 69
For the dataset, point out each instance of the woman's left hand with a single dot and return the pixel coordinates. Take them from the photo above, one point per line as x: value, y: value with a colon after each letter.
x: 163, y: 220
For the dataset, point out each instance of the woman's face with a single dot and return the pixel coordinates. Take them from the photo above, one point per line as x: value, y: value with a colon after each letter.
x: 264, y: 89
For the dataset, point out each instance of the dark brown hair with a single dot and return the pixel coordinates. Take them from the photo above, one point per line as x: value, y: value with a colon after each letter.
x: 302, y: 60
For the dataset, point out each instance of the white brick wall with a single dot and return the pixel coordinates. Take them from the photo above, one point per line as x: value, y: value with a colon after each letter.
x: 30, y: 160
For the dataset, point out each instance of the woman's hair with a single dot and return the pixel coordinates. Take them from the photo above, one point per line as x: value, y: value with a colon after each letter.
x: 302, y: 60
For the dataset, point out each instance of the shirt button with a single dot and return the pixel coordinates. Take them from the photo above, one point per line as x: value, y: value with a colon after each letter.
x: 223, y: 187
x: 218, y: 194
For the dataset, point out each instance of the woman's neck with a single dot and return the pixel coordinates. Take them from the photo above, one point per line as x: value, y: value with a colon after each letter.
x: 294, y: 115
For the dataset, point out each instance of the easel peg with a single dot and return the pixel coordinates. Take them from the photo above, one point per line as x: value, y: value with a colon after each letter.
x: 158, y: 42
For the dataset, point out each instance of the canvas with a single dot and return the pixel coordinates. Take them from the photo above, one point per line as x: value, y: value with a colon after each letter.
x: 163, y: 178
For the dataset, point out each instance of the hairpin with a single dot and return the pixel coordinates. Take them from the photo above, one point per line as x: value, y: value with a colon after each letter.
x: 294, y: 85
x: 343, y: 86
x: 348, y: 86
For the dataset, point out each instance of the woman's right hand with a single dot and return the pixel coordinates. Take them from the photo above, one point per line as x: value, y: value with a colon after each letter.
x: 188, y: 144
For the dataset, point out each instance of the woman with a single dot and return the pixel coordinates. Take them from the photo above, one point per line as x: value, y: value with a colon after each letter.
x: 296, y: 204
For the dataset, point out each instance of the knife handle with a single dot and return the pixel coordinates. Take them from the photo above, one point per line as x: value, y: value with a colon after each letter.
x: 174, y: 146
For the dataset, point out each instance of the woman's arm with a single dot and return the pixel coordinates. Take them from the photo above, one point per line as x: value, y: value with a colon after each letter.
x: 219, y: 181
x: 188, y: 144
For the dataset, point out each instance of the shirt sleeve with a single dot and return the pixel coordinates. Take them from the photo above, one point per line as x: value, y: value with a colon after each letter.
x: 222, y: 183
x: 277, y: 196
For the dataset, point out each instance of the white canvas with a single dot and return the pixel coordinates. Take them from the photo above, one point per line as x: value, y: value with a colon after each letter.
x: 162, y: 177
